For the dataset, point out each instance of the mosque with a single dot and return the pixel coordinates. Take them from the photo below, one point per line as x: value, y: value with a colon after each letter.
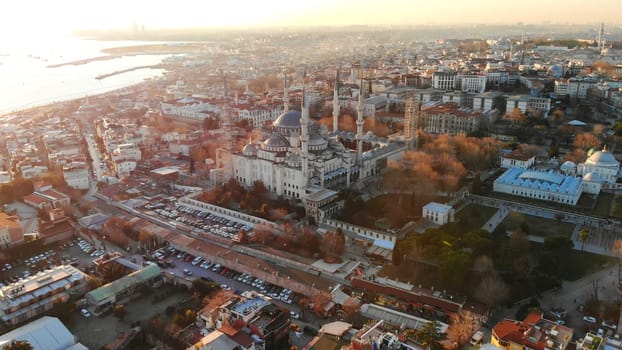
x: 300, y: 157
x: 600, y: 171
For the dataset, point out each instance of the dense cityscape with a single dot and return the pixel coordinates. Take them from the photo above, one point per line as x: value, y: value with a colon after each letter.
x: 344, y: 188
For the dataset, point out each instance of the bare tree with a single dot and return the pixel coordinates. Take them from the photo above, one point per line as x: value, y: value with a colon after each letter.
x: 492, y: 291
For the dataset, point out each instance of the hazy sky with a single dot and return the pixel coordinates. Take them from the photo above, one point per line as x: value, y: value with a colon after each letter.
x: 30, y: 16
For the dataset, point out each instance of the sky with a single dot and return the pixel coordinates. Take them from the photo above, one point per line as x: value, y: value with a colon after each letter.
x: 36, y: 17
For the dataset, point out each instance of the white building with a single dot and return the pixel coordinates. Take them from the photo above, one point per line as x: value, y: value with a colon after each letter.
x: 574, y: 87
x: 542, y: 185
x: 438, y: 213
x: 452, y: 97
x: 124, y: 167
x: 517, y: 159
x: 188, y: 108
x: 127, y: 151
x: 29, y: 171
x: 472, y: 83
x: 182, y: 147
x: 577, y: 87
x: 528, y: 103
x: 602, y: 163
x: 444, y: 80
x: 45, y: 333
x: 5, y: 177
x: 485, y: 101
x: 76, y: 175
x: 37, y: 294
x: 257, y: 116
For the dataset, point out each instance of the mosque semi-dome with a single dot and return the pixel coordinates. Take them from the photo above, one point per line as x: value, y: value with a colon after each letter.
x: 592, y: 177
x: 317, y: 142
x: 568, y: 165
x: 275, y: 143
x: 250, y: 149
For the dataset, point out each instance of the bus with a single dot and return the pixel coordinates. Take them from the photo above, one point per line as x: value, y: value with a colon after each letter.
x: 476, y: 339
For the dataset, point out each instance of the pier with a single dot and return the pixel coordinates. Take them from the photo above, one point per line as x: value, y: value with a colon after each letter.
x: 84, y: 61
x: 104, y: 76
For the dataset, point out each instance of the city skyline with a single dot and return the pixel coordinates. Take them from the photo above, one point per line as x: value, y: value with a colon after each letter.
x: 64, y: 16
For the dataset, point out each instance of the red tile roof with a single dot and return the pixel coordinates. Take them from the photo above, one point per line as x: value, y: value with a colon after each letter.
x: 36, y: 199
x: 407, y: 295
x: 520, y: 332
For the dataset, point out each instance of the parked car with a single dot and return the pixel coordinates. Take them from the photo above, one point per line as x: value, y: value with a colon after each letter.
x: 589, y: 319
x: 610, y: 325
x: 85, y: 313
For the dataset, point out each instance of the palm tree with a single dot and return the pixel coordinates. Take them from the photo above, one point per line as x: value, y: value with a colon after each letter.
x: 18, y: 345
x: 583, y: 235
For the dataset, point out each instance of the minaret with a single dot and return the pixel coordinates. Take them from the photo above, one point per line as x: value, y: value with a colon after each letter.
x: 359, y: 127
x: 601, y: 37
x: 522, y: 47
x: 285, y: 94
x: 336, y: 103
x: 304, y: 140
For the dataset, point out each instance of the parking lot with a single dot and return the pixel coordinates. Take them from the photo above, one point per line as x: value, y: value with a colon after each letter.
x: 183, y: 264
x: 199, y: 221
x: 18, y: 269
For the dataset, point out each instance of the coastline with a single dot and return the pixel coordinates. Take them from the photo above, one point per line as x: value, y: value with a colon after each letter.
x: 84, y: 61
x: 48, y: 105
x: 123, y: 72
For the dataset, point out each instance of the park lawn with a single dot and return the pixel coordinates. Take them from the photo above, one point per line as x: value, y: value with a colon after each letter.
x: 389, y: 210
x: 474, y: 216
x: 576, y: 264
x: 617, y: 207
x: 537, y: 226
x: 603, y: 205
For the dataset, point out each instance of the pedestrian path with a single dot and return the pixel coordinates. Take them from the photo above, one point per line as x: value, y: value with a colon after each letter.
x: 496, y: 219
x: 605, y: 236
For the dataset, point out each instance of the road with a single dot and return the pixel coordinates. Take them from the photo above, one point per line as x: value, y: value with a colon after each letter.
x: 92, y: 146
x: 571, y: 296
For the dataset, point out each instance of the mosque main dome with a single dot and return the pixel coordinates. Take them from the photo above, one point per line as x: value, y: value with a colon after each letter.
x: 288, y: 120
x: 602, y: 158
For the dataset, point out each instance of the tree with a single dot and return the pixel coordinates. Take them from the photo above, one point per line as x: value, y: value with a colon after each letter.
x: 492, y: 291
x: 463, y: 325
x: 320, y: 300
x: 303, y: 302
x: 183, y: 319
x: 397, y: 254
x: 18, y: 345
x: 430, y: 336
x: 350, y: 307
x: 584, y: 233
x: 93, y: 282
x: 204, y: 288
x: 586, y: 141
x: 333, y: 244
x: 63, y: 310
